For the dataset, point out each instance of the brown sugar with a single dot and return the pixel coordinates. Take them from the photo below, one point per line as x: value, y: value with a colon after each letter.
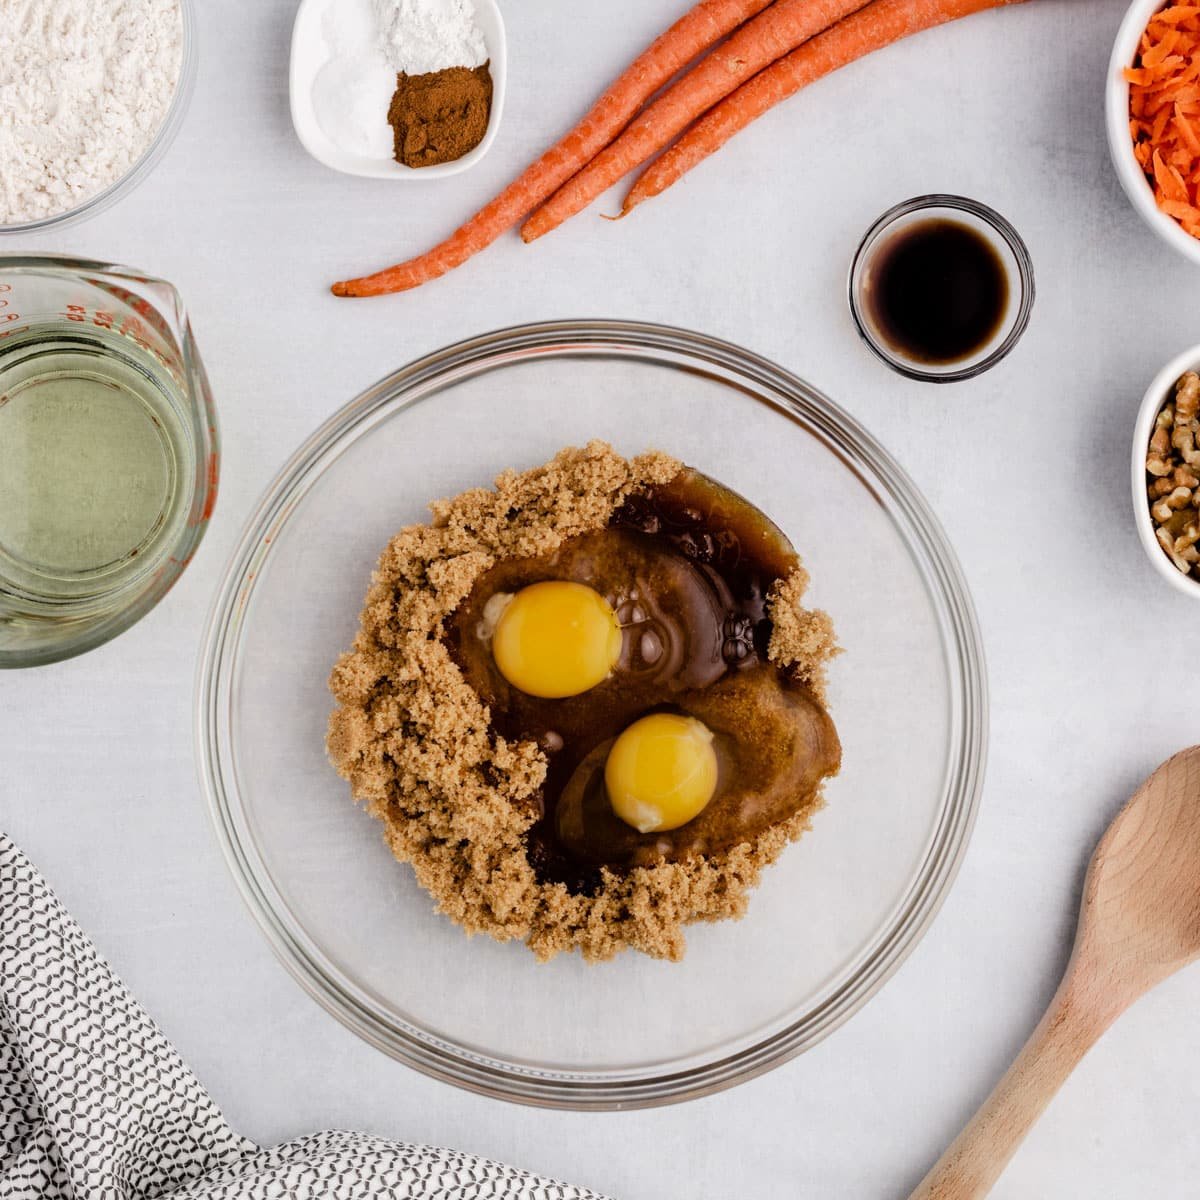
x: 440, y: 116
x: 456, y: 798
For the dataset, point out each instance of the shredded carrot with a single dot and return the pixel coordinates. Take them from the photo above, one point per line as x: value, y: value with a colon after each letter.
x: 1180, y: 210
x: 1187, y: 93
x: 1159, y: 128
x: 1164, y: 111
x: 1176, y: 14
x: 1155, y: 55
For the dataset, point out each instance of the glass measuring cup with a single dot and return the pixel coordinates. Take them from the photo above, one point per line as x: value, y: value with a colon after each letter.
x: 108, y: 452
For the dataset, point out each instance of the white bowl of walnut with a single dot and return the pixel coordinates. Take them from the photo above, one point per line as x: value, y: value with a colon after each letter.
x: 1166, y: 472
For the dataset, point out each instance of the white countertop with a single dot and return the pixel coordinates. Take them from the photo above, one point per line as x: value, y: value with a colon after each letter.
x: 1027, y: 468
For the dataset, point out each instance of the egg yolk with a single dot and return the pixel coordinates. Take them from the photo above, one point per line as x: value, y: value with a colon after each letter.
x: 661, y: 772
x: 556, y: 639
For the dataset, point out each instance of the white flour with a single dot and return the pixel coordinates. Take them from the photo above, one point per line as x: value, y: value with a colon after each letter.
x: 430, y: 35
x: 84, y: 87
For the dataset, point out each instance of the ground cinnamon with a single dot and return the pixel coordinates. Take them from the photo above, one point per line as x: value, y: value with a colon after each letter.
x: 440, y: 116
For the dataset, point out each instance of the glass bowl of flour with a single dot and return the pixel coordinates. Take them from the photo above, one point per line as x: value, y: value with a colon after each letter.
x: 88, y: 109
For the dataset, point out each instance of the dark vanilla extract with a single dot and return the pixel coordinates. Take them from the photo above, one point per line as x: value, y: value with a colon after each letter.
x: 938, y: 292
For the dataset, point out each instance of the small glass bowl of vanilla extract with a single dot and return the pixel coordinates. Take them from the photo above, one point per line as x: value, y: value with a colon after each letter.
x: 941, y: 288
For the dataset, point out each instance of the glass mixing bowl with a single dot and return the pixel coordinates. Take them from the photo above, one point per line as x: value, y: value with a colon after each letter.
x: 832, y: 919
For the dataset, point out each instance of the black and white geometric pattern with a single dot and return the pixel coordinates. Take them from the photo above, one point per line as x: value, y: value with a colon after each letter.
x: 95, y: 1104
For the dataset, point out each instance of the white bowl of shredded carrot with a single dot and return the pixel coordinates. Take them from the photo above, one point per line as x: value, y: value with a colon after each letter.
x: 1152, y: 111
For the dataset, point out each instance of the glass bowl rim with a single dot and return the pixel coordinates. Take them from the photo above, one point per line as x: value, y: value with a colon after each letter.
x: 150, y: 157
x: 1007, y: 233
x: 926, y: 543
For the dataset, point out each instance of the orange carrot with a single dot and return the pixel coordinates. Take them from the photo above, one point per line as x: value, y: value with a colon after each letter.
x: 784, y: 26
x: 879, y: 24
x: 690, y: 36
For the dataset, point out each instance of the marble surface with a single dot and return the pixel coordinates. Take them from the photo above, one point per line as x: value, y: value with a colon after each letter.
x: 1026, y: 466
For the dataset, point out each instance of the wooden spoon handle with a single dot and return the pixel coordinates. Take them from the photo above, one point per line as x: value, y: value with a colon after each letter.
x: 975, y: 1159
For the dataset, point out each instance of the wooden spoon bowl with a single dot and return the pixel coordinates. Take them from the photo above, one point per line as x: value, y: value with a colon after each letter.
x: 1139, y: 923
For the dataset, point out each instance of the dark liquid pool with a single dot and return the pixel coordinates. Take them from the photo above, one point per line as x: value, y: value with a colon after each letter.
x: 938, y: 292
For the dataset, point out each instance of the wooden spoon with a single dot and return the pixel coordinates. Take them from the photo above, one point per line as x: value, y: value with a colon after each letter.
x: 1139, y: 923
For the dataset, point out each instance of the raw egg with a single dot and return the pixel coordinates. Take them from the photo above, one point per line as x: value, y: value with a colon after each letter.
x: 661, y: 772
x: 556, y: 639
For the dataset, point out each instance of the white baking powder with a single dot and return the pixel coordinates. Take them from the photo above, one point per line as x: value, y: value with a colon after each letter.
x: 352, y: 91
x: 85, y: 86
x: 430, y: 35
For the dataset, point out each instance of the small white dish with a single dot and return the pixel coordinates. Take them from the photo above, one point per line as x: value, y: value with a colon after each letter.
x: 1120, y: 144
x: 310, y: 54
x: 1161, y: 389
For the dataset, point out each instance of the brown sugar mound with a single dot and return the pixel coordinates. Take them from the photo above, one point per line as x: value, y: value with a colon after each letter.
x: 456, y: 799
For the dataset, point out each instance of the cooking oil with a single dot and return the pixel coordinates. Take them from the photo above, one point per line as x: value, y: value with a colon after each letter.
x: 96, y: 466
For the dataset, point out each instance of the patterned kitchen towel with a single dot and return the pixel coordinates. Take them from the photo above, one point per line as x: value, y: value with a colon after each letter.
x: 95, y: 1104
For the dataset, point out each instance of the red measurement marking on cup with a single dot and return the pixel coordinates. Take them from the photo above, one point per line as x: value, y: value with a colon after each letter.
x: 214, y: 472
x: 7, y: 318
